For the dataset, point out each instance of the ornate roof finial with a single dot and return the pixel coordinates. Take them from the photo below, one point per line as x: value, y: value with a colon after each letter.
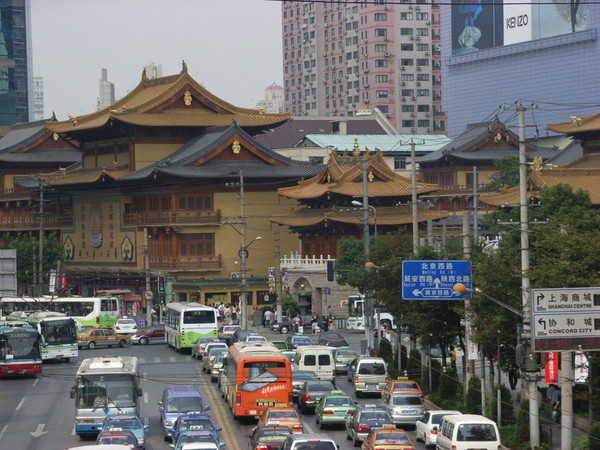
x: 183, y: 66
x: 144, y: 74
x: 356, y: 148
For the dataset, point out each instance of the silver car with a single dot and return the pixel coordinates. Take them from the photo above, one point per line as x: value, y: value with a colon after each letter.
x: 210, y: 356
x: 404, y: 409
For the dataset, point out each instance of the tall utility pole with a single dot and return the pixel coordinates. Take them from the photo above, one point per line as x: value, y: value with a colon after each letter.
x: 243, y: 258
x: 147, y: 271
x: 40, y: 280
x: 366, y: 249
x: 415, y: 206
x: 278, y: 287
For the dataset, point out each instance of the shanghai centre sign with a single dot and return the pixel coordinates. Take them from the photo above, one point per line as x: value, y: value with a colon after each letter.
x: 434, y: 280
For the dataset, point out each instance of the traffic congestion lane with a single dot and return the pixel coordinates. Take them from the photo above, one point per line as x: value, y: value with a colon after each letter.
x: 46, y: 400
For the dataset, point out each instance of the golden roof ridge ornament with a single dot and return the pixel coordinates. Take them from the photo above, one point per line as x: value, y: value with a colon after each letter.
x: 356, y: 148
x: 187, y: 98
x: 235, y: 147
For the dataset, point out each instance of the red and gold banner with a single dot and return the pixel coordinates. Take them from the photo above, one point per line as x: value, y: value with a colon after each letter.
x: 551, y: 364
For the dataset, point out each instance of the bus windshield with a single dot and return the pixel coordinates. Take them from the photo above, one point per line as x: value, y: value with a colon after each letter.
x: 59, y: 331
x: 21, y: 345
x: 99, y: 391
x: 198, y: 317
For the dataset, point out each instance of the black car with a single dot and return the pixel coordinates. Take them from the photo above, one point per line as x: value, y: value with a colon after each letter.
x: 311, y: 392
x: 238, y: 336
x: 298, y: 379
x: 335, y: 342
x: 284, y: 327
x: 327, y: 335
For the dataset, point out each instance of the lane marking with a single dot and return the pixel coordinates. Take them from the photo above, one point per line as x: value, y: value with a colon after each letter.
x: 157, y: 359
x: 145, y: 397
x: 3, y: 430
x: 20, y: 404
x: 36, y: 382
x: 172, y: 359
x: 73, y: 431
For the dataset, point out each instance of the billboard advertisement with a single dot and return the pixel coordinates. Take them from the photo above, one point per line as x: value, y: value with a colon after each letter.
x: 478, y: 25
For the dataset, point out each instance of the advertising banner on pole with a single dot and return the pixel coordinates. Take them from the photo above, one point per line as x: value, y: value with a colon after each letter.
x: 551, y: 371
x: 581, y: 367
x: 472, y: 348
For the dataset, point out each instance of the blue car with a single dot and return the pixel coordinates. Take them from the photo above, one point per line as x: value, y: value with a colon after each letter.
x: 192, y: 422
x: 176, y: 401
x: 365, y: 419
x: 126, y: 422
x: 196, y: 436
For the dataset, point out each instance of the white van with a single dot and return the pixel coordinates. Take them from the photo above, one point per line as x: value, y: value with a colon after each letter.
x: 316, y: 358
x: 368, y: 374
x: 466, y: 431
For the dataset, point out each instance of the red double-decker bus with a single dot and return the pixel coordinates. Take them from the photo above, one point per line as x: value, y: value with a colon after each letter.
x: 19, y: 349
x: 258, y: 376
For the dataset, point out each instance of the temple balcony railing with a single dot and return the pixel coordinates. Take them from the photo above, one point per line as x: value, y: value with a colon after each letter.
x: 306, y: 264
x: 163, y: 218
x: 186, y: 263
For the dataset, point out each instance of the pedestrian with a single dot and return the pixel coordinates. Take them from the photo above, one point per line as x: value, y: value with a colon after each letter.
x: 513, y: 377
x: 300, y: 326
x: 228, y: 314
x: 268, y: 317
x: 314, y: 323
x: 556, y: 398
x: 453, y: 357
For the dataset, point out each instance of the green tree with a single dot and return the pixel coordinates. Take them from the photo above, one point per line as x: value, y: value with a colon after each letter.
x: 27, y: 250
x: 508, y: 173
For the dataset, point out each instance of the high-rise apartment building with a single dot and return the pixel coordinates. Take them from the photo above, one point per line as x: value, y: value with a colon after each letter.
x: 338, y: 56
x: 16, y: 76
x: 272, y: 102
x: 106, y: 95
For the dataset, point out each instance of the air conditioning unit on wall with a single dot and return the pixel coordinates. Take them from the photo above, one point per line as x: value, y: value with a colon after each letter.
x: 234, y: 275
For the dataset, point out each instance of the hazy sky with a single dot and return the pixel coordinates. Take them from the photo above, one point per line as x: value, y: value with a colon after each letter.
x: 232, y: 47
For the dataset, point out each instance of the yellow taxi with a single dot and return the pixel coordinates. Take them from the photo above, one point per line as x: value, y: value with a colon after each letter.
x: 401, y: 385
x: 101, y: 337
x: 282, y: 417
x: 387, y: 438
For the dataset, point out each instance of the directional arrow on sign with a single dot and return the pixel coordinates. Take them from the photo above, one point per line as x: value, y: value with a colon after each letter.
x: 542, y: 322
x: 39, y: 431
x: 417, y: 292
x: 539, y: 298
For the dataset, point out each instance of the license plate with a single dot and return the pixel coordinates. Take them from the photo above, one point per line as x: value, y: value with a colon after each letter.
x: 371, y: 386
x: 340, y: 412
x: 266, y: 402
x: 318, y: 398
x: 410, y: 411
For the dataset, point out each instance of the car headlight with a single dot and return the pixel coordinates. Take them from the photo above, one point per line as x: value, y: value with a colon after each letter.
x: 169, y: 422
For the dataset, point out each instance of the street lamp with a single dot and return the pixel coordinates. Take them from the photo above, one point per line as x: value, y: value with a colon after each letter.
x: 243, y: 254
x: 357, y: 203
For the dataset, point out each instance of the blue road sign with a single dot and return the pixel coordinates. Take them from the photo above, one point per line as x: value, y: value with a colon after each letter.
x: 434, y: 280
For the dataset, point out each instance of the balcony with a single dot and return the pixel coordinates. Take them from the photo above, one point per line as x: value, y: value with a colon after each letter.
x: 187, y: 263
x: 33, y: 222
x: 14, y: 194
x: 461, y: 189
x: 297, y: 262
x: 164, y: 218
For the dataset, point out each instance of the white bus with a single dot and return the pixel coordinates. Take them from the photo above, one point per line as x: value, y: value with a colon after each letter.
x: 103, y: 385
x: 58, y: 333
x: 186, y: 322
x: 357, y: 318
x: 101, y: 312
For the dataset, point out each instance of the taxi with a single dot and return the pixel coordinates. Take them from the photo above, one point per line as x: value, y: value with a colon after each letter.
x: 401, y: 385
x: 282, y: 417
x: 128, y: 422
x: 343, y: 357
x: 366, y: 419
x: 387, y: 439
x: 101, y: 337
x: 192, y: 422
x: 196, y: 437
x: 334, y: 408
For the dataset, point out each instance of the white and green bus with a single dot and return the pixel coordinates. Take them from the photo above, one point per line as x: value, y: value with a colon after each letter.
x: 58, y: 333
x: 100, y: 312
x: 186, y: 322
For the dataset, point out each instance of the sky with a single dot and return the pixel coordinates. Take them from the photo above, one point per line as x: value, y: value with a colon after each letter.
x: 232, y: 47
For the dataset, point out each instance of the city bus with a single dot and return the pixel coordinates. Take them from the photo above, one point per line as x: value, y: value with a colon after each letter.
x: 104, y: 385
x: 57, y: 330
x: 101, y: 312
x: 258, y: 376
x: 357, y: 317
x: 186, y: 322
x: 19, y: 349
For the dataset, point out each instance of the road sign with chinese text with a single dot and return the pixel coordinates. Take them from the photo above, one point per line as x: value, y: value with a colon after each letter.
x: 434, y: 280
x: 566, y: 319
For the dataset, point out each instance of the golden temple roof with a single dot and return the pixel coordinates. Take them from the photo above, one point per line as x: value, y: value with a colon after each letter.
x: 85, y: 176
x: 393, y: 215
x: 343, y: 175
x: 175, y: 100
x: 577, y: 125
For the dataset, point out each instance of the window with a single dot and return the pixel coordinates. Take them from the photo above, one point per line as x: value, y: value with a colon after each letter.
x: 406, y: 47
x: 423, y: 92
x: 406, y: 62
x: 422, y: 77
x: 424, y: 123
x: 422, y: 16
x: 406, y: 16
x: 408, y: 123
x: 316, y: 159
x: 381, y: 78
x: 422, y: 32
x: 399, y: 163
x: 408, y: 92
x: 423, y: 47
x: 406, y: 31
x: 196, y: 244
x: 422, y: 62
x: 381, y: 48
x: 383, y: 108
x: 423, y: 108
x: 407, y: 77
x: 408, y: 108
x: 380, y: 17
x: 381, y: 93
x: 381, y: 63
x: 380, y: 32
x: 201, y: 201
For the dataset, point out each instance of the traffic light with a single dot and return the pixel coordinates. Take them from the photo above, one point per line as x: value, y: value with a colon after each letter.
x: 161, y: 285
x: 527, y: 360
x: 330, y: 270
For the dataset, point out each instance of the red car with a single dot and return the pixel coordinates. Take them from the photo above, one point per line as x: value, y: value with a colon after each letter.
x: 267, y: 437
x: 152, y: 334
